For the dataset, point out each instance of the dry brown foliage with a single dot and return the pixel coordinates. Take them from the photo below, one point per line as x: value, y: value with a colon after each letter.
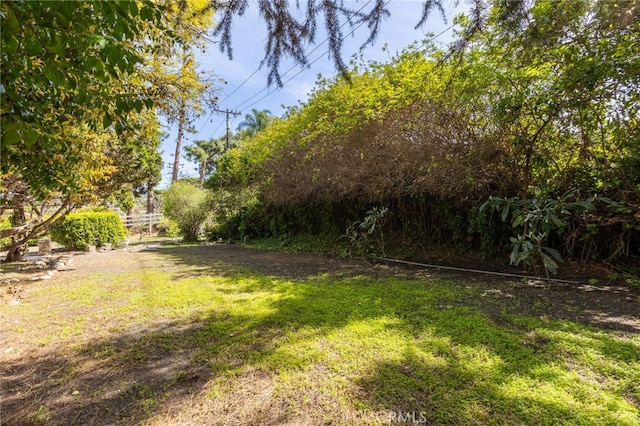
x: 422, y: 148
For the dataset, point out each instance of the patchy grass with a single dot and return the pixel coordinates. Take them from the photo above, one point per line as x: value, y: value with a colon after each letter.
x: 333, y: 245
x: 174, y: 340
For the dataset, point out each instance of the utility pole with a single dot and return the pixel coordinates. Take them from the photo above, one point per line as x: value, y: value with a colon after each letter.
x: 228, y: 113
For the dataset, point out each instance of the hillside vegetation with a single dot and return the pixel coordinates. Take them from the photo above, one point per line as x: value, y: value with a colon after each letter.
x: 523, y: 139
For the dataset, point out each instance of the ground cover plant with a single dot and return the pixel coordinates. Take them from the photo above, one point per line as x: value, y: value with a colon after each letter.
x: 227, y: 335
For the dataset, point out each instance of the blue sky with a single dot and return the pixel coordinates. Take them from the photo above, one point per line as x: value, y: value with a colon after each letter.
x: 246, y: 84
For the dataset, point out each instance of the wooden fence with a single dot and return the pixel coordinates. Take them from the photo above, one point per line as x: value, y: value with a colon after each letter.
x: 142, y: 220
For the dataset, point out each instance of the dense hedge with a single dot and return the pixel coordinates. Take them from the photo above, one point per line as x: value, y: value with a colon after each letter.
x: 81, y: 229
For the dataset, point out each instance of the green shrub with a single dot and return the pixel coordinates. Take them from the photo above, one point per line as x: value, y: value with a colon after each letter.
x: 169, y: 228
x: 187, y: 205
x: 5, y: 223
x: 81, y: 229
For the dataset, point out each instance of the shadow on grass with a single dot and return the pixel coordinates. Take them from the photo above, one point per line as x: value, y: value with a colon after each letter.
x: 610, y: 308
x: 304, y: 341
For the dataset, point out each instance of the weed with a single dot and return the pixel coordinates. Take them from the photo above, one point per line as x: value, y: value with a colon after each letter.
x: 41, y: 415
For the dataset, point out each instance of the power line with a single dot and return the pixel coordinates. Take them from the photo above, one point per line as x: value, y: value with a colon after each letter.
x: 217, y: 128
x: 227, y: 113
x: 317, y: 59
x: 415, y: 49
x: 313, y: 50
x: 284, y: 74
x: 258, y: 69
x: 241, y: 84
x: 203, y: 126
x: 434, y: 38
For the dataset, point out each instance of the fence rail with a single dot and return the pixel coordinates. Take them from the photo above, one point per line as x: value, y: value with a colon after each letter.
x: 142, y: 220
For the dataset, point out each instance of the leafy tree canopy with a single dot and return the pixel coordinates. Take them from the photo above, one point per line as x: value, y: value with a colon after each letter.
x: 206, y: 154
x: 76, y: 123
x: 255, y: 122
x: 59, y: 63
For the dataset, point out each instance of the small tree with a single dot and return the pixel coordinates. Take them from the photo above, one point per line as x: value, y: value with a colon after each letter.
x: 187, y: 205
x: 255, y: 122
x: 206, y: 154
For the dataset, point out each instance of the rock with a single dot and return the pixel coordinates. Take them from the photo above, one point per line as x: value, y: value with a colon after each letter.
x: 44, y: 246
x: 63, y: 267
x: 90, y: 249
x: 31, y: 268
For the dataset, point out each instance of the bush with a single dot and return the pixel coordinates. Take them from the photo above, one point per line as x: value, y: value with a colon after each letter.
x: 187, y: 205
x: 5, y: 223
x: 169, y: 228
x: 81, y: 229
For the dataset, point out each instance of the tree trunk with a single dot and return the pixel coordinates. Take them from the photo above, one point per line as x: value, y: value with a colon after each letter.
x: 16, y: 253
x: 182, y: 118
x: 150, y: 198
x: 19, y: 218
x: 176, y: 158
x: 202, y: 167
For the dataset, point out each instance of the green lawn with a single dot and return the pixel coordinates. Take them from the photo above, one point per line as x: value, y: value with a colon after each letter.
x: 173, y: 342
